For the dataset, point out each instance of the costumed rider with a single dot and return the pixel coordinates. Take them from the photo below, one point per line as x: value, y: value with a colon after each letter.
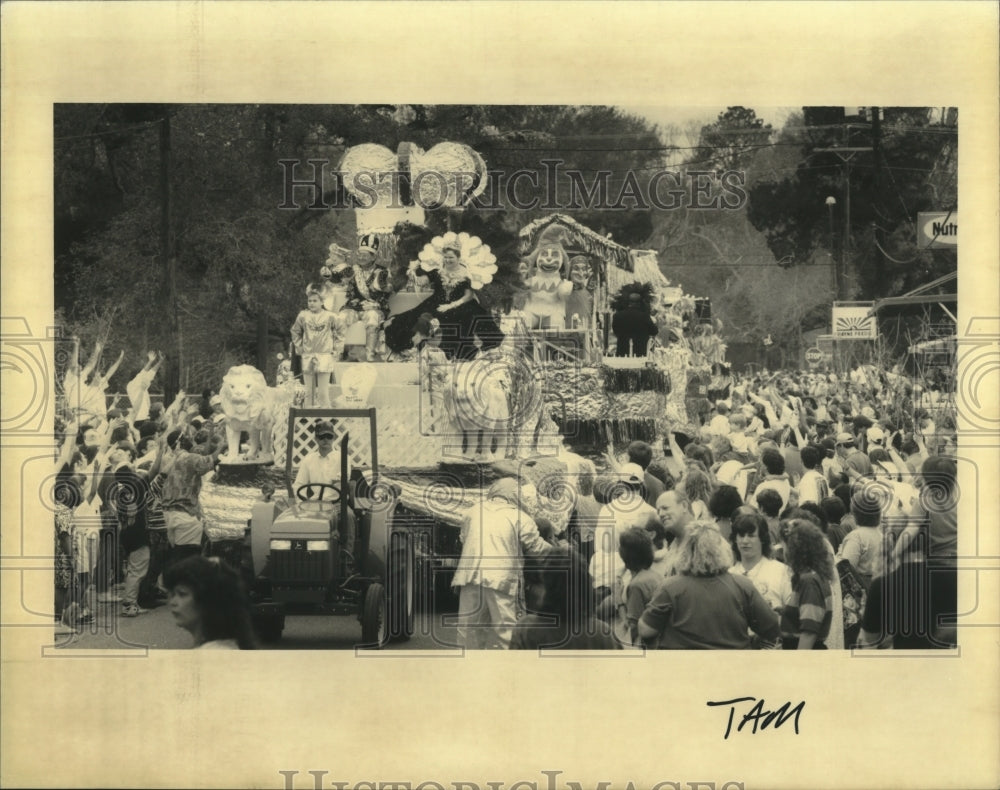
x: 458, y: 266
x: 632, y: 321
x: 334, y: 295
x: 368, y: 292
x: 547, y: 290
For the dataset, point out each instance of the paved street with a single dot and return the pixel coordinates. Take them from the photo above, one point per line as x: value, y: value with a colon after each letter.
x: 156, y: 630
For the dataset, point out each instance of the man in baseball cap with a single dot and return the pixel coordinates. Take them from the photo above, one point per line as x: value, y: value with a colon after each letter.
x: 320, y: 466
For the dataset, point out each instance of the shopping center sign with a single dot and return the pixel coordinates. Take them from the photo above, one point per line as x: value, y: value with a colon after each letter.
x: 851, y: 321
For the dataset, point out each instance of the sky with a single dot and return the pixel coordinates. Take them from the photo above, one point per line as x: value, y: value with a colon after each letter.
x: 682, y: 116
x: 689, y: 120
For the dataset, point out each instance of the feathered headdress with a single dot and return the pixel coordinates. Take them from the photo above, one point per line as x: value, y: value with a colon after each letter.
x: 477, y: 258
x: 623, y: 298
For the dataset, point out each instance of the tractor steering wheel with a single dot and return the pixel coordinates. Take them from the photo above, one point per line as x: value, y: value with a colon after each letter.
x: 302, y: 495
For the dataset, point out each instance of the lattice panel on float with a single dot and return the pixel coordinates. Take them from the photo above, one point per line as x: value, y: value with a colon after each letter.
x: 404, y: 439
x: 359, y: 449
x: 279, y: 440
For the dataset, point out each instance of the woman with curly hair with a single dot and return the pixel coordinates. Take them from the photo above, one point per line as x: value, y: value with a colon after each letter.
x: 806, y: 619
x: 208, y: 599
x: 699, y: 489
x: 705, y: 606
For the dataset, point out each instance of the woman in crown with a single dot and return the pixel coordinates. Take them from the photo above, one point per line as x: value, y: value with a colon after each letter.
x: 457, y: 265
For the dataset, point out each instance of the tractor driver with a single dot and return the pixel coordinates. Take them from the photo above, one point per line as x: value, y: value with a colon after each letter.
x: 322, y: 466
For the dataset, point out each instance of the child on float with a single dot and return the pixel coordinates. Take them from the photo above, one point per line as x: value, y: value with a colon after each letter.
x: 318, y: 337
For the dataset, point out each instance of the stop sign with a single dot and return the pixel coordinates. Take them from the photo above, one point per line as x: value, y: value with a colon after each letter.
x: 814, y: 355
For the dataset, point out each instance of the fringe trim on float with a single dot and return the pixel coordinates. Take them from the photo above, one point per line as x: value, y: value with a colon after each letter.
x: 595, y: 244
x: 598, y: 433
x: 635, y: 379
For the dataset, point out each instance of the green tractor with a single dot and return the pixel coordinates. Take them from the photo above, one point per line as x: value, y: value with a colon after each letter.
x: 345, y: 548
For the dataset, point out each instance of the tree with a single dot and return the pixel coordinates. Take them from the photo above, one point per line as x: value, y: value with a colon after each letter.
x: 732, y: 141
x: 905, y: 164
x: 238, y: 263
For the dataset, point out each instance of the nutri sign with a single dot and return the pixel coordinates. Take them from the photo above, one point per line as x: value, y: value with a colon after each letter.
x: 936, y: 229
x: 852, y: 322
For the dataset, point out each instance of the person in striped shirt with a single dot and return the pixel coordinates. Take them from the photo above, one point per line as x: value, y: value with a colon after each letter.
x: 806, y: 619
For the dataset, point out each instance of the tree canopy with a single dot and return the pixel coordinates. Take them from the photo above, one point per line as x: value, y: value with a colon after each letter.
x: 169, y: 232
x: 236, y: 261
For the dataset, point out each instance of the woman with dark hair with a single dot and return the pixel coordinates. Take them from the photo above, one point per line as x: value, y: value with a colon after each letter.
x: 564, y: 617
x: 635, y: 547
x: 722, y: 505
x: 806, y: 619
x: 837, y: 528
x: 789, y: 514
x: 208, y: 600
x: 705, y: 606
x: 751, y: 542
x: 452, y: 301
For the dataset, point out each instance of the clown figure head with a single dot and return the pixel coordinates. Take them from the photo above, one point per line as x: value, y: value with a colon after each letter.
x: 550, y: 258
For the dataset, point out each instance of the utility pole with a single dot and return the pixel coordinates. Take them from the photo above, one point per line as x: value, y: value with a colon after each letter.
x: 168, y: 263
x: 845, y: 154
x: 831, y: 201
x: 876, y: 119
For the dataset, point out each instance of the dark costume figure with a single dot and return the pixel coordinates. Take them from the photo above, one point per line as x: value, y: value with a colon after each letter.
x: 632, y: 322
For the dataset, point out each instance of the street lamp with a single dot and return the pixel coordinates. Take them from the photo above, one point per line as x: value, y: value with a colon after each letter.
x: 831, y: 201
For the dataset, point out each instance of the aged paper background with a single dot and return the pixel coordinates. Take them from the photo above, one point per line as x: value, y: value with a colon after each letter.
x: 184, y: 719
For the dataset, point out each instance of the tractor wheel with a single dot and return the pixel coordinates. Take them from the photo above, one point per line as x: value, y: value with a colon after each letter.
x: 402, y: 588
x: 374, y: 617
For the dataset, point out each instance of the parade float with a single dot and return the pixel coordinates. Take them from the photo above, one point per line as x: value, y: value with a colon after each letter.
x: 448, y: 424
x: 610, y: 392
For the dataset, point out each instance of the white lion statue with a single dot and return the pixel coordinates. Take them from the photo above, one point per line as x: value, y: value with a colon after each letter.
x: 249, y: 405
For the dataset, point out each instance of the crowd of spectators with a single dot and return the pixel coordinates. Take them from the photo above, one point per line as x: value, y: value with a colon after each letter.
x: 126, y: 495
x: 808, y: 511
